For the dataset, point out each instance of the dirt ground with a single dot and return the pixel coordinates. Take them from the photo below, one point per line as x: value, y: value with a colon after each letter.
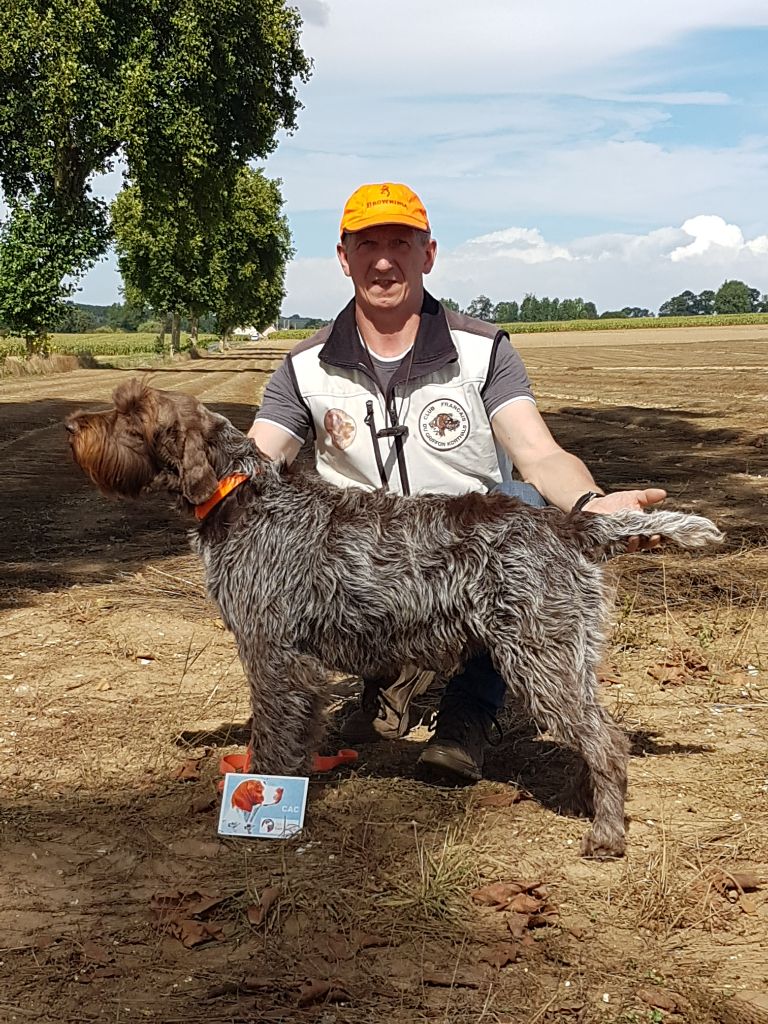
x: 400, y: 901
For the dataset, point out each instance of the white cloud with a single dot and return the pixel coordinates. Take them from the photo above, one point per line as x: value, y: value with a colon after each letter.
x: 524, y: 244
x: 612, y: 270
x: 314, y: 12
x: 494, y: 45
x: 708, y: 231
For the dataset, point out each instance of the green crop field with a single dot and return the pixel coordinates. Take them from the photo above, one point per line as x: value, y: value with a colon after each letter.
x: 97, y: 345
x: 618, y: 324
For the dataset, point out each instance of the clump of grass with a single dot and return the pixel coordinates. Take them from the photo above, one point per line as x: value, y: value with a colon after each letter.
x: 438, y: 886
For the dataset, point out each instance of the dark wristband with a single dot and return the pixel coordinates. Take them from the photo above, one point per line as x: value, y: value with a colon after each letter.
x: 585, y: 500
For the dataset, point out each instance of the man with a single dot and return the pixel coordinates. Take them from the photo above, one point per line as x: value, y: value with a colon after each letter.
x: 400, y: 393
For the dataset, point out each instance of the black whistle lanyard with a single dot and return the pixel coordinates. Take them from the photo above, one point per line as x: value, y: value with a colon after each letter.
x: 398, y: 431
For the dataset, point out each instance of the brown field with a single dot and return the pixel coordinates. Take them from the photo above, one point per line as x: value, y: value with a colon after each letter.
x: 117, y: 901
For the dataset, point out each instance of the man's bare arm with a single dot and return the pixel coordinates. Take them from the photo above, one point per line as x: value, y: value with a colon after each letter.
x: 275, y: 442
x: 561, y: 477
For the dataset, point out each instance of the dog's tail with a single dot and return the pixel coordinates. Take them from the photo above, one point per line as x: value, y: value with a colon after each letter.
x: 603, y: 536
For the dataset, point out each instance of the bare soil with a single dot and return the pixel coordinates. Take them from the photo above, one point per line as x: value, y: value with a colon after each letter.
x: 120, y: 690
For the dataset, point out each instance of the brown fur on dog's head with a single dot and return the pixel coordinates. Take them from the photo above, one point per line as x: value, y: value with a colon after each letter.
x: 151, y: 437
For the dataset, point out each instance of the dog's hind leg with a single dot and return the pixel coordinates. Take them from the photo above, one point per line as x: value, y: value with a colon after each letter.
x: 605, y: 749
x: 560, y: 698
x: 287, y: 703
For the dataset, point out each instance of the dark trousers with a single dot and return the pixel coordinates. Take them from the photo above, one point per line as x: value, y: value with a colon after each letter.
x: 479, y: 682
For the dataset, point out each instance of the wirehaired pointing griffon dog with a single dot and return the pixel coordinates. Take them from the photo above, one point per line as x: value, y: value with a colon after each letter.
x: 310, y: 577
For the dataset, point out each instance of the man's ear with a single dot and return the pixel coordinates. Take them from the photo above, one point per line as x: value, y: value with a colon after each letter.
x: 430, y: 255
x: 198, y: 480
x: 341, y: 252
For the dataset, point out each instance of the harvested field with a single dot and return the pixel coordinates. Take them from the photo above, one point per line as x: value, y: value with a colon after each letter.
x: 400, y: 902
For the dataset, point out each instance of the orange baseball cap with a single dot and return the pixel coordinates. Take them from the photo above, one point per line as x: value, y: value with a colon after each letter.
x: 385, y: 203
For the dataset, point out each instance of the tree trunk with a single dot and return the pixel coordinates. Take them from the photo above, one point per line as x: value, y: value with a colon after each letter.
x: 175, y: 332
x: 163, y: 329
x: 193, y: 329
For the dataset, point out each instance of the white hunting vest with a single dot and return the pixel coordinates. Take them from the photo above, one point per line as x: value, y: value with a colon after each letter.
x: 430, y: 431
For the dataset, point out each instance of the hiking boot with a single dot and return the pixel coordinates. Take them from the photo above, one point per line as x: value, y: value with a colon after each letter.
x: 463, y: 731
x: 384, y: 712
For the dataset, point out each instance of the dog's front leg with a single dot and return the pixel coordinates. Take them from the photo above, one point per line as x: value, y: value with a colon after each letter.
x: 287, y: 705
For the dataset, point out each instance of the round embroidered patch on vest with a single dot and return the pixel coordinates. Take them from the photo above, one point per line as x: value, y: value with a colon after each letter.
x: 444, y: 424
x: 341, y: 428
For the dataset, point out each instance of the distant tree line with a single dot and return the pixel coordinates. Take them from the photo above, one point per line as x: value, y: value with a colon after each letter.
x: 531, y: 310
x: 87, y: 318
x: 731, y: 297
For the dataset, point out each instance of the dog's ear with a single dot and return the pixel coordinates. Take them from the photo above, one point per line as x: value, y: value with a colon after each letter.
x: 198, y: 480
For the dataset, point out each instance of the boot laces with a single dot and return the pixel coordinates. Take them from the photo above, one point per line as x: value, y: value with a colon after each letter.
x: 460, y: 718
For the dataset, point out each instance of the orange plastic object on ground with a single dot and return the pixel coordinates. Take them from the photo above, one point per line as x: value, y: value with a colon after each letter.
x: 240, y: 762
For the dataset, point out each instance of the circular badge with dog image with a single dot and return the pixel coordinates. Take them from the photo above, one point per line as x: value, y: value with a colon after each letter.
x: 444, y: 424
x: 341, y: 428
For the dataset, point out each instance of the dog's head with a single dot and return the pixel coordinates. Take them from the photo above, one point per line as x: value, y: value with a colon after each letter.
x: 150, y: 438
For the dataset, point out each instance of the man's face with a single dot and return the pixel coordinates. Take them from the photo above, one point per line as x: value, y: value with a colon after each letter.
x: 386, y: 265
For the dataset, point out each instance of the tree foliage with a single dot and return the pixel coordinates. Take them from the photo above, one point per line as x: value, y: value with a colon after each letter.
x: 731, y: 297
x: 481, y: 307
x: 233, y: 268
x: 626, y: 313
x: 736, y: 297
x: 250, y: 253
x: 185, y: 91
x: 506, y: 313
x: 535, y: 310
x: 37, y: 251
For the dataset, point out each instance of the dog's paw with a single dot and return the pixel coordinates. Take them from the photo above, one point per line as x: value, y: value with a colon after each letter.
x: 603, y: 845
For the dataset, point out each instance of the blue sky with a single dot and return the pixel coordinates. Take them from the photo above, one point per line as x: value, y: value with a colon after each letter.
x: 614, y: 151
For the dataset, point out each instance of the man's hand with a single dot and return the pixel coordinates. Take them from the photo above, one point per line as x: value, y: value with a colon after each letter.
x: 638, y: 500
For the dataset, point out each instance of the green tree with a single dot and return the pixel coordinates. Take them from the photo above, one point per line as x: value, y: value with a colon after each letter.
x: 186, y: 91
x: 162, y: 258
x: 450, y: 304
x: 37, y: 251
x: 736, y: 297
x: 126, y: 316
x: 74, y: 320
x: 706, y: 302
x: 250, y: 253
x: 506, y: 313
x: 481, y: 307
x: 684, y: 304
x: 233, y: 268
x: 529, y: 309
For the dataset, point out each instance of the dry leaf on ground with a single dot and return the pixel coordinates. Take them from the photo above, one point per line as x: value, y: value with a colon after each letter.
x: 257, y: 913
x: 661, y: 999
x: 320, y: 990
x: 500, y: 954
x: 188, y: 772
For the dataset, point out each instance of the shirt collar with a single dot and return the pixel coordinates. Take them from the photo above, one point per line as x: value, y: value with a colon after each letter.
x: 434, y: 346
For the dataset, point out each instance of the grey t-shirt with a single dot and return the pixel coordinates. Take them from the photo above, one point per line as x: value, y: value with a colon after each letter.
x: 283, y: 407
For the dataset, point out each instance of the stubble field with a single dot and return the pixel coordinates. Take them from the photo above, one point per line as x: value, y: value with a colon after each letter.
x: 400, y: 902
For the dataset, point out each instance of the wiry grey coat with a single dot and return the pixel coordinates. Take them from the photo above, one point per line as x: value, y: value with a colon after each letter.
x: 310, y: 577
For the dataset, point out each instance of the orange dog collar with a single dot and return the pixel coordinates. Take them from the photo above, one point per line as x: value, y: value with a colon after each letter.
x: 226, y: 486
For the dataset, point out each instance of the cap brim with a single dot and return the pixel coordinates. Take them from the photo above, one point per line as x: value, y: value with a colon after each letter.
x: 354, y: 224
